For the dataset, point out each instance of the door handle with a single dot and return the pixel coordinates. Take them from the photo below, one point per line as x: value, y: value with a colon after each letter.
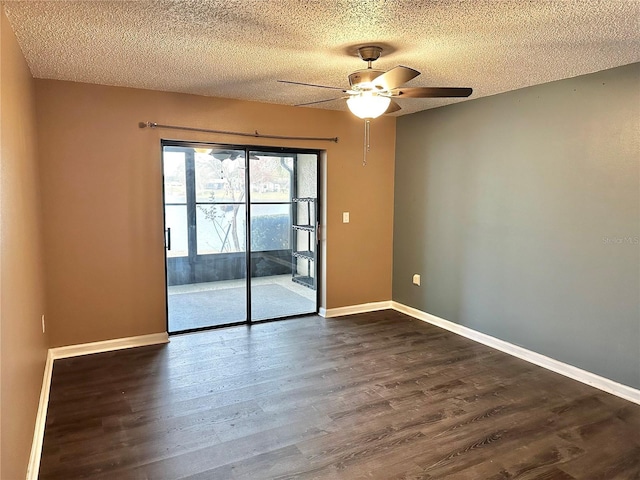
x: 168, y: 239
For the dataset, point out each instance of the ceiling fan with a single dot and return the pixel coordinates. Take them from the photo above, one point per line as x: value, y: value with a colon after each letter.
x: 372, y: 91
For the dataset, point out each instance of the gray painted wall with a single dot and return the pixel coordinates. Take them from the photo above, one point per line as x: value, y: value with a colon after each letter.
x: 521, y: 212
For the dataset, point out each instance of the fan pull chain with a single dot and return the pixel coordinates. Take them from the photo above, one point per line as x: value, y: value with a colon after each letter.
x: 367, y: 141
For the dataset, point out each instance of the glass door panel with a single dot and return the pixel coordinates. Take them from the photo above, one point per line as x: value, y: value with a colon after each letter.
x: 275, y: 180
x: 175, y: 219
x: 205, y: 221
x: 175, y: 198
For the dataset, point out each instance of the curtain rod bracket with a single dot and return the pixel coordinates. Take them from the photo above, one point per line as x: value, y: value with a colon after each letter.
x: 240, y: 134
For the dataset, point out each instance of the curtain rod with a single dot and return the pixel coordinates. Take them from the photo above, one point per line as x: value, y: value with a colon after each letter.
x: 240, y: 134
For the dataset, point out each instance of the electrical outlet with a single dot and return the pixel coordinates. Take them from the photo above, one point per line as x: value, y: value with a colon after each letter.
x: 43, y: 323
x: 416, y: 279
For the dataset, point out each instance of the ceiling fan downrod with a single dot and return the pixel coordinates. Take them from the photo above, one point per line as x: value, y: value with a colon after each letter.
x: 369, y: 54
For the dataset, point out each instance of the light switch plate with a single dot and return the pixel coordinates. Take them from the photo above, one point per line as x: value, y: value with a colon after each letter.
x: 345, y: 217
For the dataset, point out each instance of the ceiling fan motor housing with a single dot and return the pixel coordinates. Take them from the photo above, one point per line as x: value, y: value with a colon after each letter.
x: 363, y: 77
x: 369, y: 53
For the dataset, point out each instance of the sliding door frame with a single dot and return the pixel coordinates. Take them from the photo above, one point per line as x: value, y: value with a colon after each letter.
x: 247, y: 149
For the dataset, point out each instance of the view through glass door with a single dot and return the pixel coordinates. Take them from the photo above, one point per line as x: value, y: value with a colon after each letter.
x: 281, y: 251
x: 240, y: 232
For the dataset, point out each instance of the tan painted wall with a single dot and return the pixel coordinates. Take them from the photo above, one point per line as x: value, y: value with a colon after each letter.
x: 23, y: 345
x: 103, y: 200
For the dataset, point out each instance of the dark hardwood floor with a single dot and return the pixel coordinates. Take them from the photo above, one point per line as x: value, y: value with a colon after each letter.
x: 376, y: 395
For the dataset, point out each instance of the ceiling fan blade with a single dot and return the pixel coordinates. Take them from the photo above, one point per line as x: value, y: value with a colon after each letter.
x: 431, y: 92
x: 393, y: 107
x: 395, y: 77
x: 312, y: 85
x: 318, y: 101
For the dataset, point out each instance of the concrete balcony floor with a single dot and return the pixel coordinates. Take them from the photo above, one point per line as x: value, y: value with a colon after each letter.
x: 219, y: 303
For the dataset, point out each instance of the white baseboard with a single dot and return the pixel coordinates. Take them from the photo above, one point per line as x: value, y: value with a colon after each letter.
x: 350, y: 310
x: 601, y: 383
x: 33, y: 469
x: 109, y: 345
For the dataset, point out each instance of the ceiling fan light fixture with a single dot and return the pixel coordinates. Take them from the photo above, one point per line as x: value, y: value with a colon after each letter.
x: 368, y: 105
x: 202, y: 151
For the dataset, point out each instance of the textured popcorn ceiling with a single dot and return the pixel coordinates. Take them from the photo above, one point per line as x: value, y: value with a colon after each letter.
x: 239, y: 48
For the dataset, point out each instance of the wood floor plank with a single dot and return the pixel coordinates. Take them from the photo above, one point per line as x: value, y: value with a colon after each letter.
x: 377, y: 395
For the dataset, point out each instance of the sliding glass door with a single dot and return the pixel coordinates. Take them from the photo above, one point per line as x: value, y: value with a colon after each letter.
x: 205, y: 228
x: 277, y: 180
x: 240, y: 230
